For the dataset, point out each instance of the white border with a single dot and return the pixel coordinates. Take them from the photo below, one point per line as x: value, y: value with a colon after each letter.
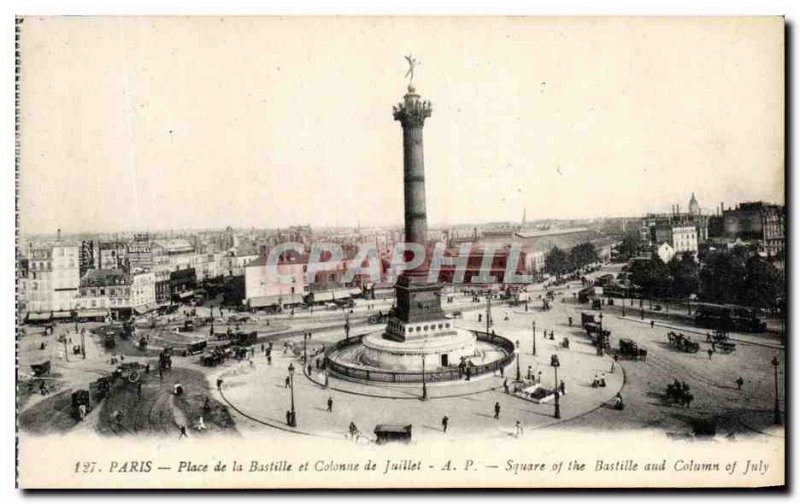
x: 789, y: 8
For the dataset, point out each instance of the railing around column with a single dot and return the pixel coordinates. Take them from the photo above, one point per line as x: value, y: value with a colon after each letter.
x: 450, y: 374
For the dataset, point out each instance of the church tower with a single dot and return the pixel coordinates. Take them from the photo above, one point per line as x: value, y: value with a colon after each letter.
x: 694, y: 208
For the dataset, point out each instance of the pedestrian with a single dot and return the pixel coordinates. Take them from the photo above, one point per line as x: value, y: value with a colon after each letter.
x: 201, y: 426
x: 161, y: 372
x: 309, y: 369
x: 502, y: 372
x: 497, y: 411
x: 330, y: 404
x: 612, y: 365
x: 562, y: 386
x: 505, y: 385
x: 518, y: 428
x: 139, y: 389
x: 287, y: 382
x: 570, y: 321
x: 652, y: 324
x: 326, y: 379
x: 530, y: 377
x: 740, y: 382
x: 183, y: 432
x: 219, y: 383
x: 444, y: 423
x: 710, y: 353
x: 269, y: 359
x: 539, y: 377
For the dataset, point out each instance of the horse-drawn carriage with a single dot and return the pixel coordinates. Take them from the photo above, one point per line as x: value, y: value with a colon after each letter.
x: 678, y: 393
x: 631, y: 350
x: 725, y: 347
x: 130, y: 371
x: 377, y: 318
x: 720, y: 342
x: 215, y: 358
x: 682, y: 343
x: 41, y: 369
x: 195, y: 348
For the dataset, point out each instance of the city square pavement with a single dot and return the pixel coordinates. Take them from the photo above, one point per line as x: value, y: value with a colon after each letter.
x: 259, y: 398
x: 257, y: 391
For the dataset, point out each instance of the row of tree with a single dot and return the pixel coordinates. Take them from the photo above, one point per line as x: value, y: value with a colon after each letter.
x: 559, y: 262
x: 727, y: 277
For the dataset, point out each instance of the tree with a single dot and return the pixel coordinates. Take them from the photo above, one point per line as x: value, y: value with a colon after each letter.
x: 652, y: 276
x: 685, y: 276
x: 583, y: 254
x: 557, y: 262
x: 763, y: 284
x: 722, y: 276
x: 629, y: 247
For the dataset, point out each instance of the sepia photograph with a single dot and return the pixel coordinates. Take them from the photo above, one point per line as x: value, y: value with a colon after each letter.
x: 400, y: 252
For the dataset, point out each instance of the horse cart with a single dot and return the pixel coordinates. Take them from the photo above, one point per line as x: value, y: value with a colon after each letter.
x: 41, y: 369
x: 678, y: 393
x: 682, y: 343
x: 631, y: 350
x: 130, y: 371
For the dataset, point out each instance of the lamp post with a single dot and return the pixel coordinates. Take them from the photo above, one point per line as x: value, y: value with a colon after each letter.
x: 424, y: 385
x: 305, y: 338
x: 777, y: 419
x: 624, y: 298
x: 488, y: 311
x: 556, y: 364
x: 292, y: 419
x: 519, y: 375
x: 347, y: 325
x: 534, y: 337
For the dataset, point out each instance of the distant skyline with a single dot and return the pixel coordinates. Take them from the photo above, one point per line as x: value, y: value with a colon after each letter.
x: 166, y: 123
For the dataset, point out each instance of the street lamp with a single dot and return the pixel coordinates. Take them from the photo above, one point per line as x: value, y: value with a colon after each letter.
x: 534, y: 337
x: 305, y: 338
x: 291, y: 419
x: 556, y: 364
x: 424, y: 385
x: 519, y: 375
x: 777, y: 419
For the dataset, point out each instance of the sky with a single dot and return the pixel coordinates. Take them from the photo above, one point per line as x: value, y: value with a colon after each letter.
x: 157, y: 123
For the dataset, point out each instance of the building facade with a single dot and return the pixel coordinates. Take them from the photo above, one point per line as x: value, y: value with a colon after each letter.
x: 53, y: 277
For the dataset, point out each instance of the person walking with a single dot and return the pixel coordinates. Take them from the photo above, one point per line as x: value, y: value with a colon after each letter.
x: 530, y: 376
x: 497, y: 411
x: 444, y: 423
x: 505, y: 385
x: 740, y: 382
x: 330, y: 404
x: 652, y: 324
x: 287, y: 382
x: 219, y: 383
x: 183, y: 432
x: 710, y: 353
x: 519, y: 429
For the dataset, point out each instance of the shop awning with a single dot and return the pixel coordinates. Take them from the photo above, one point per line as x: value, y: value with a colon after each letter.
x: 62, y: 315
x: 263, y: 301
x: 185, y: 294
x: 145, y: 308
x: 93, y: 313
x: 355, y: 292
x: 323, y: 297
x: 38, y: 317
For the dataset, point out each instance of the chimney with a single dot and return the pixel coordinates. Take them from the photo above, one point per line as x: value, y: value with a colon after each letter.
x: 58, y: 235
